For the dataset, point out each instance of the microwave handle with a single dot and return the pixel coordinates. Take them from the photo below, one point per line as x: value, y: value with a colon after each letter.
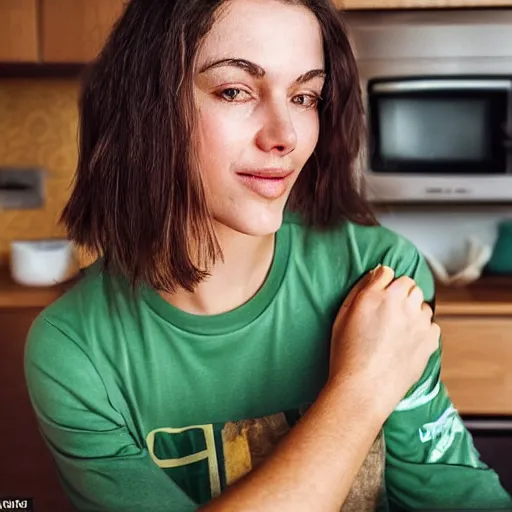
x: 488, y: 424
x: 442, y: 84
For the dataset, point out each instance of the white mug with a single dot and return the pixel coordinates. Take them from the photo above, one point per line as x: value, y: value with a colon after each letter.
x: 41, y: 262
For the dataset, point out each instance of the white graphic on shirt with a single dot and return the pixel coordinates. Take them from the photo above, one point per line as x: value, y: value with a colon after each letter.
x: 420, y: 396
x: 442, y: 433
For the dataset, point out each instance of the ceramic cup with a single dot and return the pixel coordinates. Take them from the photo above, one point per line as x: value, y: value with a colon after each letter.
x: 41, y: 262
x: 501, y: 261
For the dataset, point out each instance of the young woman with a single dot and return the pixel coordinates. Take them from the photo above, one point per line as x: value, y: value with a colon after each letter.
x: 204, y: 361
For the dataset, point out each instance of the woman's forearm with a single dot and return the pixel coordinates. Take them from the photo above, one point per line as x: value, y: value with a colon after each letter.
x: 315, y: 464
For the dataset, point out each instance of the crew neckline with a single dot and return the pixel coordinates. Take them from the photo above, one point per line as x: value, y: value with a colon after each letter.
x: 239, y: 317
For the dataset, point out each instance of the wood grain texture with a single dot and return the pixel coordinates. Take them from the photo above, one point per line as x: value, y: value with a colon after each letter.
x: 418, y: 4
x: 18, y: 31
x: 27, y: 468
x: 477, y: 363
x: 38, y: 123
x: 14, y: 296
x: 75, y: 30
x: 488, y: 296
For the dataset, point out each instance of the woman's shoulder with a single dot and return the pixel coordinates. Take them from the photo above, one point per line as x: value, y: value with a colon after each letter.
x: 83, y: 293
x: 85, y: 305
x: 63, y: 370
x: 379, y: 245
x: 376, y: 242
x: 370, y: 244
x: 355, y: 249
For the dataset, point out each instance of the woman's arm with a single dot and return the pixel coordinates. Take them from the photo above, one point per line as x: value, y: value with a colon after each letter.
x: 100, y: 465
x: 432, y: 463
x: 102, y: 468
x: 315, y: 464
x: 382, y: 338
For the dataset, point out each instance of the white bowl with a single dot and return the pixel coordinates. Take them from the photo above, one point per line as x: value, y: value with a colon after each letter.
x: 40, y: 262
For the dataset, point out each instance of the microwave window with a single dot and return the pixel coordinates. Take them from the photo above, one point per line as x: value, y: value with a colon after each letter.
x: 432, y: 129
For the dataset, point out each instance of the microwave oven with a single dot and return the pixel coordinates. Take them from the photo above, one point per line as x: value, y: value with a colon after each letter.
x: 439, y: 138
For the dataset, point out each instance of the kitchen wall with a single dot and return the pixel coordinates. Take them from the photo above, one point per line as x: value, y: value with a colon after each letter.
x: 444, y: 233
x: 38, y: 128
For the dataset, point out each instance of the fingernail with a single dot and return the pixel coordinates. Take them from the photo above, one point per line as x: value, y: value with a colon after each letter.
x: 375, y: 270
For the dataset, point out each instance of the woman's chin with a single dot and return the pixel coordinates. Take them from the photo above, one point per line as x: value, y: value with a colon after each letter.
x: 261, y: 223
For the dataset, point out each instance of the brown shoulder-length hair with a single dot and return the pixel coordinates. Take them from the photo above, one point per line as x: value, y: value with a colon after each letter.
x: 138, y: 200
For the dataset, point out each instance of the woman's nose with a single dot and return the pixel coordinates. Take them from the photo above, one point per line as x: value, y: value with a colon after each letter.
x: 277, y: 133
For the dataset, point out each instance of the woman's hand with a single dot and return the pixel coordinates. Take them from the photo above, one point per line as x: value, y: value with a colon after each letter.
x: 383, y: 338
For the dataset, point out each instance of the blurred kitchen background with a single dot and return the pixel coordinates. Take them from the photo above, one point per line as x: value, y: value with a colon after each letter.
x: 437, y: 81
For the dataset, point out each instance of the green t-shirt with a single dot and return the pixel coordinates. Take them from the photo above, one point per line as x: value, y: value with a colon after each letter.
x: 146, y: 407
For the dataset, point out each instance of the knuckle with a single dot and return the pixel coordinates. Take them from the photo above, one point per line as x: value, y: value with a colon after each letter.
x: 369, y: 294
x: 435, y: 333
x: 419, y: 291
x: 427, y: 310
x: 389, y: 298
x: 416, y: 298
x: 406, y: 281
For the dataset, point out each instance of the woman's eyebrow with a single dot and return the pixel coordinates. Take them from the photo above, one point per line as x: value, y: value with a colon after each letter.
x: 257, y: 71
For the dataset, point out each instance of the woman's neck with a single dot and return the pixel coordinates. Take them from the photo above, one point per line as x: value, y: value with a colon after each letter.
x: 247, y: 261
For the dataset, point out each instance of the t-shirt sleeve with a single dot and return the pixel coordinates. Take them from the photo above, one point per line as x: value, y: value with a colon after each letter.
x: 431, y: 461
x: 99, y: 464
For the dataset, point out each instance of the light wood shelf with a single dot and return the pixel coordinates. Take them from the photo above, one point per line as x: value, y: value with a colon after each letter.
x: 18, y: 31
x: 14, y: 295
x: 490, y: 296
x: 418, y: 4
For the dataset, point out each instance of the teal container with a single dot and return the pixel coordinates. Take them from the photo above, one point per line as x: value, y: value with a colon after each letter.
x: 501, y: 259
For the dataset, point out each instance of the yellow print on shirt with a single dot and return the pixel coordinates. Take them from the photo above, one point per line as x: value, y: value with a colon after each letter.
x: 205, y: 459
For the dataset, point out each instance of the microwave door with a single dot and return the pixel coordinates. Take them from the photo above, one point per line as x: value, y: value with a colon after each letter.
x: 438, y: 126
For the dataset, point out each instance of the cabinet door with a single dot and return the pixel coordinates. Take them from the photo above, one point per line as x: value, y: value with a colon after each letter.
x: 477, y: 363
x: 417, y: 4
x: 18, y: 31
x: 75, y: 30
x: 27, y: 469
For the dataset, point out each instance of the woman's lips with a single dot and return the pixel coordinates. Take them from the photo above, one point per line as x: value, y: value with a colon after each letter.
x: 270, y: 185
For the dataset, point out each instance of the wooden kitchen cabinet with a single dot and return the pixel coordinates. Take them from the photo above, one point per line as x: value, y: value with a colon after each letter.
x: 18, y: 31
x: 476, y: 331
x: 26, y: 469
x: 418, y: 4
x: 75, y: 30
x: 477, y: 363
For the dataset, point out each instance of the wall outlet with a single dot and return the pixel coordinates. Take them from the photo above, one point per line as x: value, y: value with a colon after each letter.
x: 21, y: 188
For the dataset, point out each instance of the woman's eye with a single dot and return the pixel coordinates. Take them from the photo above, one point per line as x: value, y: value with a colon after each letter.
x: 306, y: 100
x: 233, y: 94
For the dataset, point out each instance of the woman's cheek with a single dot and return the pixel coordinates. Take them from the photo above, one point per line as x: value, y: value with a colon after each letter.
x: 222, y: 127
x: 307, y: 126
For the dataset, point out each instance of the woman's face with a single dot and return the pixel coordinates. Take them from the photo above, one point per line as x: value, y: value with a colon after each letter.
x: 258, y: 76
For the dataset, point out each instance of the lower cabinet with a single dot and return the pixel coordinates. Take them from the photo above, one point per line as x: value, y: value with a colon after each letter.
x: 26, y: 468
x: 477, y: 363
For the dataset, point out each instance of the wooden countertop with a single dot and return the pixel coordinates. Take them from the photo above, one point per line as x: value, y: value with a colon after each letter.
x: 489, y: 296
x: 13, y: 295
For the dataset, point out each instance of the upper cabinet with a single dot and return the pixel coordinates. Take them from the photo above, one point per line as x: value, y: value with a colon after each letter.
x: 18, y: 31
x: 75, y: 30
x: 418, y: 4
